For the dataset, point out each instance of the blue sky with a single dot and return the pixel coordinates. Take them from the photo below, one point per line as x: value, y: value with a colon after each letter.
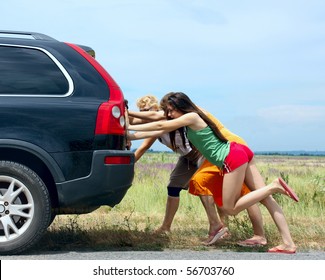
x: 258, y: 66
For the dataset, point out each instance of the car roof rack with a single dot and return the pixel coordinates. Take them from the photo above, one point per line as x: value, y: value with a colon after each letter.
x: 38, y: 36
x: 25, y: 35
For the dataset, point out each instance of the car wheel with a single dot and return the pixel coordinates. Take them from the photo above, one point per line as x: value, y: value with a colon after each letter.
x: 25, y: 210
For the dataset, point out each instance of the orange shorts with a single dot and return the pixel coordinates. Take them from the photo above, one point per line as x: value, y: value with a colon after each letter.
x: 208, y: 181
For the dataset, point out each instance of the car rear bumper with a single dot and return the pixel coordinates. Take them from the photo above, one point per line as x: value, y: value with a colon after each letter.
x: 105, y: 185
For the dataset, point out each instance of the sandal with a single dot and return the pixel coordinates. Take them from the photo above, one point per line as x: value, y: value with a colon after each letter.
x: 288, y: 190
x: 282, y: 251
x: 216, y: 235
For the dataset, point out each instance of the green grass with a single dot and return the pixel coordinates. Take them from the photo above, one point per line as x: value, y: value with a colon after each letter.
x: 131, y: 224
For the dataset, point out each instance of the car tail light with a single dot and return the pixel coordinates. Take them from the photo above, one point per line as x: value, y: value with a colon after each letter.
x: 110, y: 117
x: 117, y: 160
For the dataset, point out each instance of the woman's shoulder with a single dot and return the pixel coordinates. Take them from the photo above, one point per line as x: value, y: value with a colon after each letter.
x: 192, y: 115
x: 196, y: 122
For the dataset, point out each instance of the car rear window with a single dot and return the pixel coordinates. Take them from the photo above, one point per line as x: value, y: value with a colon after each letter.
x: 31, y: 71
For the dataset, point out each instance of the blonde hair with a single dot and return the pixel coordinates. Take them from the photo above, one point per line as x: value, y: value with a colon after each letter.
x: 148, y: 102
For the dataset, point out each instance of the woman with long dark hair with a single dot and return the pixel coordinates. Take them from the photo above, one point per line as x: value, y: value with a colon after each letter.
x: 235, y: 160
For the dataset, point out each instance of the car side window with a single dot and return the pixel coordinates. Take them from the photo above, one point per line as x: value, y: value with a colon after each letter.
x: 30, y: 71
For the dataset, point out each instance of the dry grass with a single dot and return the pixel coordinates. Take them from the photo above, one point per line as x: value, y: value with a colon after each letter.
x: 131, y: 224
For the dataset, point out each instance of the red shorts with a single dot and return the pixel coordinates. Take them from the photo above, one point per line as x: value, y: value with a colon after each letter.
x: 238, y: 155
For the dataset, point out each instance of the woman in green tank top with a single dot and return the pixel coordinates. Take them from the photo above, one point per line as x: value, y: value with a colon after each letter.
x: 236, y: 161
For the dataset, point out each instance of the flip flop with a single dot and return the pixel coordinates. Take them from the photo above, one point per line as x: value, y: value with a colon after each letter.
x: 216, y: 235
x: 281, y: 251
x: 289, y: 191
x: 251, y: 243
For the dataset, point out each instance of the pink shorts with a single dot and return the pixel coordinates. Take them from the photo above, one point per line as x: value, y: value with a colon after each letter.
x: 238, y: 155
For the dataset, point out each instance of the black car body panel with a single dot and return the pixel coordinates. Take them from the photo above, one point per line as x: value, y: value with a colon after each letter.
x: 53, y: 121
x: 106, y: 187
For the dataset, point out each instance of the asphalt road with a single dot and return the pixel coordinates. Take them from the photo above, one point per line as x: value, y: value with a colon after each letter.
x: 165, y: 255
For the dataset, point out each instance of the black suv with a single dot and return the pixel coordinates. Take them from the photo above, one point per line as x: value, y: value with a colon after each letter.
x: 62, y: 136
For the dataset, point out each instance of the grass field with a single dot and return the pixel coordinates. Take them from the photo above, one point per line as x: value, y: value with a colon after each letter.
x: 131, y: 224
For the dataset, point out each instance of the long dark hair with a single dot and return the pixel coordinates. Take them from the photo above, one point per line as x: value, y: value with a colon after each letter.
x: 172, y: 134
x: 181, y: 102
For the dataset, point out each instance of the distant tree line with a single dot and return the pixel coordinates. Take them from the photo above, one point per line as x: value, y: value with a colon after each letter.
x: 265, y: 153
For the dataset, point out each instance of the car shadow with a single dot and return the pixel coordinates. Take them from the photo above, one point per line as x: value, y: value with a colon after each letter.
x: 101, y: 240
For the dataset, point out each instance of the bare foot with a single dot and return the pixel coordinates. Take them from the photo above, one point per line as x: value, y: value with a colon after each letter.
x: 283, y: 188
x: 254, y: 241
x: 162, y: 230
x: 279, y: 189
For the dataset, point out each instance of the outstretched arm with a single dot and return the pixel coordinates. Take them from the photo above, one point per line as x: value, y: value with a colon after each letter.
x: 148, y: 115
x: 146, y: 144
x: 188, y: 119
x: 144, y: 134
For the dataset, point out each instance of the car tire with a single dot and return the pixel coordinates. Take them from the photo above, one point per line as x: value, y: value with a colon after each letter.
x: 25, y: 207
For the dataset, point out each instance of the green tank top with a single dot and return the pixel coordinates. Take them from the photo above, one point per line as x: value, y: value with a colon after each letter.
x: 209, y: 145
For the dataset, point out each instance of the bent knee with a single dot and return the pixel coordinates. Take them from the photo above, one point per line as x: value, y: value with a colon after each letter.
x: 230, y: 210
x: 174, y: 191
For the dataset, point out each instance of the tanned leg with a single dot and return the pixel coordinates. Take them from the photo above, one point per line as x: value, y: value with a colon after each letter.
x: 172, y: 205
